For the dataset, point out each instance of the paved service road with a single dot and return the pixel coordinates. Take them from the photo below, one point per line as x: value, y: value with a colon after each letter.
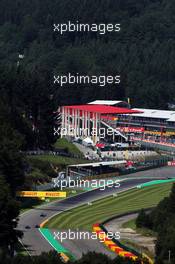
x: 34, y: 241
x: 147, y: 242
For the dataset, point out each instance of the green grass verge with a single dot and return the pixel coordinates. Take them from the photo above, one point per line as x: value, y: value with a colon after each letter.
x: 85, y: 216
x: 63, y: 143
x: 57, y: 160
x: 143, y: 231
x: 130, y: 224
x: 20, y: 250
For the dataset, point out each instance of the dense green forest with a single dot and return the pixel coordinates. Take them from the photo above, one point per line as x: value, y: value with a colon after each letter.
x: 53, y: 258
x: 12, y: 177
x: 142, y: 53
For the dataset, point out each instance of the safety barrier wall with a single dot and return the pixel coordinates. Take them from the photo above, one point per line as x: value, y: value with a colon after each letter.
x: 148, y: 164
x: 158, y: 146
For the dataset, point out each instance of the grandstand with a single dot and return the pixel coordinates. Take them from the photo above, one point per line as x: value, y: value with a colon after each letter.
x: 88, y: 120
x: 156, y: 125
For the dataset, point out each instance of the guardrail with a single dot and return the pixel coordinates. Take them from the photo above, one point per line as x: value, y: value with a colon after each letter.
x: 156, y: 145
x: 56, y: 152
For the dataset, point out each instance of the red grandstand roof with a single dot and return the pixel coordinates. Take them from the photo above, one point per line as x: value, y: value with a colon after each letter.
x: 102, y: 109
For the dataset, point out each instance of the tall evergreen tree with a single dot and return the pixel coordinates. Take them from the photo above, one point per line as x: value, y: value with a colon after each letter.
x: 9, y: 209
